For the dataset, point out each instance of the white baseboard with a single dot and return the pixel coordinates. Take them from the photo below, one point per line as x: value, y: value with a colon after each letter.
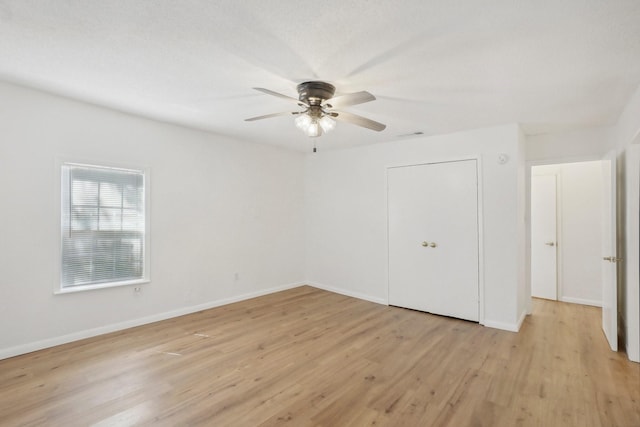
x: 348, y: 293
x: 88, y: 333
x: 521, y: 319
x: 581, y: 301
x: 511, y: 327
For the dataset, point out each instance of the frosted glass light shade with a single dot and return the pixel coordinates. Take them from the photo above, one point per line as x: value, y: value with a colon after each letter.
x: 314, y: 129
x: 303, y: 121
x: 327, y: 123
x: 314, y: 126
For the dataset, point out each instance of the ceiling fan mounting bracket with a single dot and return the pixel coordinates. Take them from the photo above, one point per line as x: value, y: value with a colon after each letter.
x: 314, y: 92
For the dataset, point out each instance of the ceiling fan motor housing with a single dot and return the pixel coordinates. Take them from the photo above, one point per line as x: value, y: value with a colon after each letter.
x: 313, y: 93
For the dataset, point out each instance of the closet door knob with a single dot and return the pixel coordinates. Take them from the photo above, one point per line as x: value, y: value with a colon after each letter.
x: 550, y: 244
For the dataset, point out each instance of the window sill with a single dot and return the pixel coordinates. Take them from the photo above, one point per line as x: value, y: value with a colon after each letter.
x: 82, y: 288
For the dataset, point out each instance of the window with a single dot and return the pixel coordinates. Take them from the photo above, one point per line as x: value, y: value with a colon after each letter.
x: 104, y: 238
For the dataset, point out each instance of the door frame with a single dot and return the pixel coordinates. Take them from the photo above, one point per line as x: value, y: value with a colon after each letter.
x: 446, y: 159
x: 632, y: 236
x: 611, y: 248
x: 529, y: 165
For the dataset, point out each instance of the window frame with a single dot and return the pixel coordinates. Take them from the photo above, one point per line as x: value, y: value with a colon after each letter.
x: 59, y: 183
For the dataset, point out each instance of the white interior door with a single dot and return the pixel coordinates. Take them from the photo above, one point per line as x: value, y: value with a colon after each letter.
x: 433, y: 238
x: 609, y: 273
x: 633, y: 251
x: 544, y: 277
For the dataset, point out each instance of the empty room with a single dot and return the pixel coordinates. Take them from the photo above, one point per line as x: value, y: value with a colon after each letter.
x: 339, y: 213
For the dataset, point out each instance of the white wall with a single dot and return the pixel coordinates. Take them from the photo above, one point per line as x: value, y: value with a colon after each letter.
x: 627, y: 132
x: 346, y: 215
x: 579, y: 230
x: 585, y: 144
x: 218, y: 207
x: 524, y: 291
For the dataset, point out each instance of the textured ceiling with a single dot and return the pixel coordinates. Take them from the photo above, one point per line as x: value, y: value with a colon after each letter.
x: 435, y: 66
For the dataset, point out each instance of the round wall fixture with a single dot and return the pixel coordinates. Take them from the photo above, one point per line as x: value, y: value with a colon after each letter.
x: 503, y: 158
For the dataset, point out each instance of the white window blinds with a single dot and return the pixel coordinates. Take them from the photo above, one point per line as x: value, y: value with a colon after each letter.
x: 103, y: 225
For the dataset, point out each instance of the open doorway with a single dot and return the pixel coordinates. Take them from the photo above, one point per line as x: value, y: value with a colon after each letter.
x: 566, y: 232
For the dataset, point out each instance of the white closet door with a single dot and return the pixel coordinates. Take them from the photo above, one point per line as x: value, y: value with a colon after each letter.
x: 433, y: 238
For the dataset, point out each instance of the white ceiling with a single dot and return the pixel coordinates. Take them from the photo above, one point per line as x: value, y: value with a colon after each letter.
x: 435, y: 66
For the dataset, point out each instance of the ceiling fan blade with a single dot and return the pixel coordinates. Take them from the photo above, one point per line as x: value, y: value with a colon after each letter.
x: 279, y: 95
x: 268, y: 116
x: 349, y: 99
x: 358, y: 120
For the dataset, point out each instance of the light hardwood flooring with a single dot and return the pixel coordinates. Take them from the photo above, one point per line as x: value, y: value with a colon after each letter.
x: 307, y: 357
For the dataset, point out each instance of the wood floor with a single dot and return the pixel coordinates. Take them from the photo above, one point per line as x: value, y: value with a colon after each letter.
x: 308, y: 357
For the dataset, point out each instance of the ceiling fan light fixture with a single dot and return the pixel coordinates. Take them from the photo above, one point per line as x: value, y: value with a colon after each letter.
x: 327, y: 123
x: 314, y: 129
x: 318, y: 100
x: 303, y: 121
x: 313, y: 126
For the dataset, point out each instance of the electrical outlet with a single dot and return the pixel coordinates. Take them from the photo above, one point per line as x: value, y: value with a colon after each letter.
x: 137, y: 289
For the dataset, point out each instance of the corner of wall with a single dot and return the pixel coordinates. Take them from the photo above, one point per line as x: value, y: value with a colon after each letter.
x: 524, y: 291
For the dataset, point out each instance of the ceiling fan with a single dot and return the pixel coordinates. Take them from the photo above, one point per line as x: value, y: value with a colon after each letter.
x: 318, y: 102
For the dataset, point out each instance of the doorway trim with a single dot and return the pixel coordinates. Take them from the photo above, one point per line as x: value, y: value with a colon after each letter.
x: 480, y: 187
x: 632, y: 236
x: 529, y: 165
